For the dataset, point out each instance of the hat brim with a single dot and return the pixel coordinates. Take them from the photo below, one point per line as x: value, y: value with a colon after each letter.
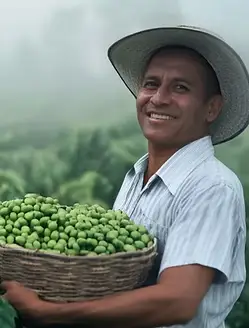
x: 130, y: 54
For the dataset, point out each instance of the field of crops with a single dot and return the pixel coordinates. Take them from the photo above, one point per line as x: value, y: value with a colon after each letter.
x: 83, y: 166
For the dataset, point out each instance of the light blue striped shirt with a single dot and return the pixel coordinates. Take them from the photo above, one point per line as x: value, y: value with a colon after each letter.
x: 194, y: 205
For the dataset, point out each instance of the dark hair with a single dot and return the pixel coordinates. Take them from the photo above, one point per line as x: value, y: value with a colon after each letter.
x: 211, y: 81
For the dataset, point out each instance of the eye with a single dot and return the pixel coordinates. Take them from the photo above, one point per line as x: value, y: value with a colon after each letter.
x: 181, y: 88
x: 150, y: 84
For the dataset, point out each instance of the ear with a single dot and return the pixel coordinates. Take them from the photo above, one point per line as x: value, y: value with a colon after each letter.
x: 214, y: 108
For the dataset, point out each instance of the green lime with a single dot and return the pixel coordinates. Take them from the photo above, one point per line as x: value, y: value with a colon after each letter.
x: 63, y: 235
x: 8, y: 227
x: 34, y: 222
x: 123, y: 232
x: 3, y: 232
x: 118, y: 244
x: 51, y: 244
x: 25, y: 229
x: 54, y: 235
x: 16, y: 209
x: 53, y: 226
x: 81, y: 242
x: 111, y: 235
x: 13, y: 216
x: 129, y: 241
x: 2, y: 222
x: 103, y: 243
x: 20, y: 240
x: 100, y: 249
x: 139, y: 244
x: 38, y: 229
x: 135, y: 235
x: 82, y: 234
x: 111, y: 249
x: 145, y: 239
x: 17, y: 224
x: 10, y: 239
x: 44, y: 220
x: 30, y: 201
x: 4, y: 211
x: 129, y: 248
x: 59, y: 247
x: 37, y: 244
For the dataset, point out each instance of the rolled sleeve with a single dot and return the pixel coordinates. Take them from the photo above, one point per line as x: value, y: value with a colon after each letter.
x: 205, y: 231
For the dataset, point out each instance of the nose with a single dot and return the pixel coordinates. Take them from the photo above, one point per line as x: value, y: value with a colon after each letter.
x: 162, y: 96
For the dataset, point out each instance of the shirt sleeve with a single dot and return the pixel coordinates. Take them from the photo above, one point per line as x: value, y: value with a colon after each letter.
x: 206, y: 231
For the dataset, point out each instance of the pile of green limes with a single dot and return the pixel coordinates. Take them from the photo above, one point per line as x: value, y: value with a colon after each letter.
x: 41, y: 223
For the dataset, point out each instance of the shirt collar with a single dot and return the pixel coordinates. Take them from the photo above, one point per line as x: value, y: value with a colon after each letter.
x: 180, y: 165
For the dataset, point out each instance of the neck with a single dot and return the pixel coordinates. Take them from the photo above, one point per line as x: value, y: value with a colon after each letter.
x: 157, y: 157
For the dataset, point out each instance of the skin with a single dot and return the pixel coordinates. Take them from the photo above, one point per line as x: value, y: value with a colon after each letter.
x: 173, y: 84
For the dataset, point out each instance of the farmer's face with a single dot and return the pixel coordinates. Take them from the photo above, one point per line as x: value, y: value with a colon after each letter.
x: 172, y: 105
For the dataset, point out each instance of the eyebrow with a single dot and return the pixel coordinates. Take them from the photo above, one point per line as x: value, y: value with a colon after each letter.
x: 176, y: 79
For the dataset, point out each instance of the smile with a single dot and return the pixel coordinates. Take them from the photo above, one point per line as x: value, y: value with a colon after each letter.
x: 161, y: 116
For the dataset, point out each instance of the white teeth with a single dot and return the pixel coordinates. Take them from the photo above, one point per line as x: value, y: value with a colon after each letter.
x: 161, y: 116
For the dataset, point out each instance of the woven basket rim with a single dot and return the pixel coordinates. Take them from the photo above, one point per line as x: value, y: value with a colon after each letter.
x: 119, y: 255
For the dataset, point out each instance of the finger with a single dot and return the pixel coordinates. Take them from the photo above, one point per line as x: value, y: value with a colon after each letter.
x: 7, y: 284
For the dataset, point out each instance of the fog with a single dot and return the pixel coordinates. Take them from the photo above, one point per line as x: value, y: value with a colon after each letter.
x: 53, y: 58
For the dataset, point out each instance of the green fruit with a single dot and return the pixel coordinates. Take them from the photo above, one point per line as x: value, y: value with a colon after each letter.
x: 37, y: 244
x: 111, y: 235
x: 52, y: 226
x: 145, y: 239
x: 10, y: 239
x: 135, y: 235
x: 100, y: 249
x: 81, y: 242
x: 29, y: 201
x: 38, y: 229
x: 8, y: 228
x: 111, y: 249
x: 4, y: 211
x: 46, y: 239
x: 82, y: 234
x: 25, y: 229
x: 34, y: 222
x: 129, y: 248
x: 139, y: 244
x: 2, y: 222
x: 51, y: 244
x: 54, y: 235
x: 16, y: 209
x: 3, y: 232
x: 13, y: 216
x: 20, y: 240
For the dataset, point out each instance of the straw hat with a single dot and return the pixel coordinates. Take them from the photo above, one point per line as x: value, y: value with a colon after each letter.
x: 130, y: 54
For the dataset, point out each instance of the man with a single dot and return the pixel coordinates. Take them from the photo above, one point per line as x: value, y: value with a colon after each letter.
x: 192, y: 91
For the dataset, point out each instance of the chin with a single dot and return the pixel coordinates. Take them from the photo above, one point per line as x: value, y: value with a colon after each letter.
x: 158, y: 139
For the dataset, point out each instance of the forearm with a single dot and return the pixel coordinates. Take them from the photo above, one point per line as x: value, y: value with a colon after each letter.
x: 142, y: 308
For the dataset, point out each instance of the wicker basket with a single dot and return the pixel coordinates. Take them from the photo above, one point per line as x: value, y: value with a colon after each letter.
x: 71, y: 278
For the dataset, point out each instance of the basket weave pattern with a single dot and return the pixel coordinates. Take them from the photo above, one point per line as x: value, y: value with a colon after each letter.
x: 73, y: 278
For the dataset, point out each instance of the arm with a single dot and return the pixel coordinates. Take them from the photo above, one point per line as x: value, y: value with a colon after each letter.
x: 167, y: 303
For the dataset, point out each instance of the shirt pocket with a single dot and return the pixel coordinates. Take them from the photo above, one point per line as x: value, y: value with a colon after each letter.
x: 154, y: 226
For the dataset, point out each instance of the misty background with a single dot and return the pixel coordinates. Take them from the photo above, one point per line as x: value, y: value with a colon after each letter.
x: 53, y: 53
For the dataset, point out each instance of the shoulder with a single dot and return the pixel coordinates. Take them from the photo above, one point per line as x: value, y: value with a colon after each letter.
x: 213, y: 174
x: 213, y: 188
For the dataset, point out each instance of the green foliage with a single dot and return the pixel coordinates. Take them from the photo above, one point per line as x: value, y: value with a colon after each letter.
x: 8, y: 315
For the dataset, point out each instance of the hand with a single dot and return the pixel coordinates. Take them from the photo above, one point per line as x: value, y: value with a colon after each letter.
x: 24, y: 300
